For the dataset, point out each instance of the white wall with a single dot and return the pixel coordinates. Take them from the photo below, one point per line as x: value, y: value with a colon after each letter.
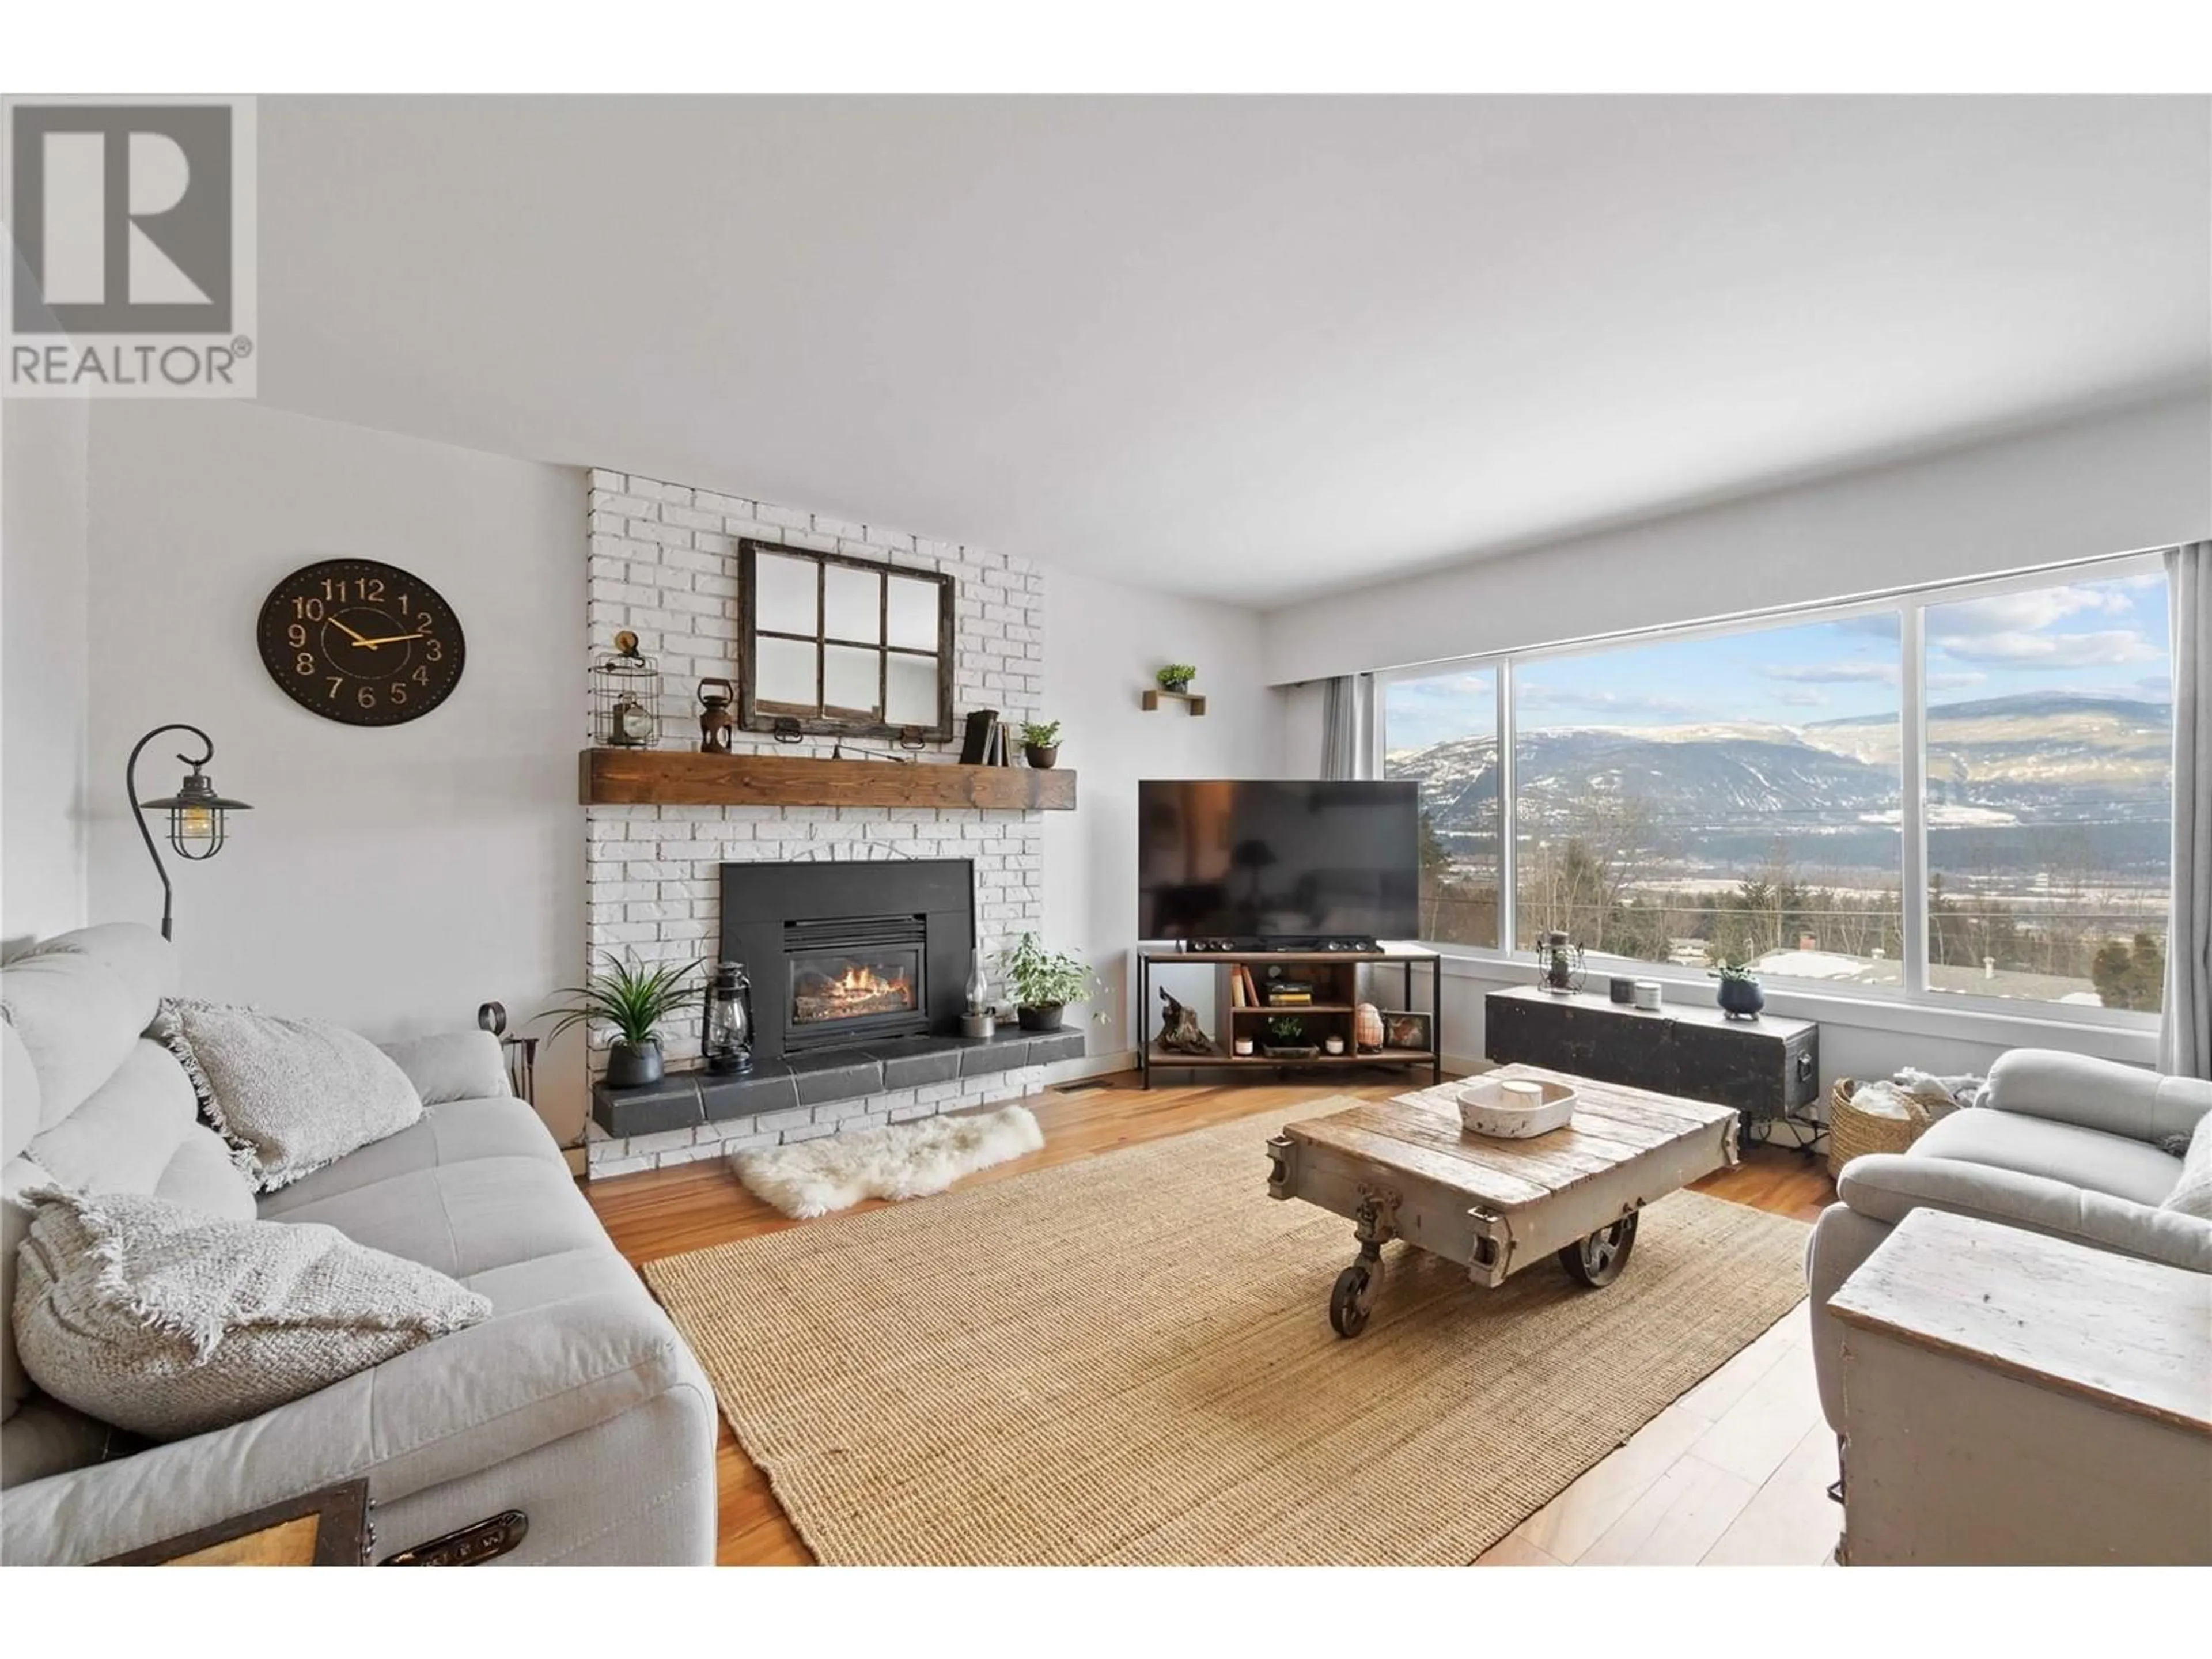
x: 390, y: 879
x: 1302, y: 718
x: 43, y: 453
x: 2135, y: 479
x: 1103, y: 642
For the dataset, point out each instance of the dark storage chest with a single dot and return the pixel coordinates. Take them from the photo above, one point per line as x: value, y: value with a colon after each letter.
x: 1766, y: 1067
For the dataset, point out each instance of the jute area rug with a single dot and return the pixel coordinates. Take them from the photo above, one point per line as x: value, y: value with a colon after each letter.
x: 1128, y: 1358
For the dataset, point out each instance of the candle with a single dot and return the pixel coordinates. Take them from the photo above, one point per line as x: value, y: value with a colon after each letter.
x: 1521, y: 1097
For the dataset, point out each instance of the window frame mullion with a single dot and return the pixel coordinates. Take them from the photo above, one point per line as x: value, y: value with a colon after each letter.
x: 1507, y: 816
x: 1912, y: 790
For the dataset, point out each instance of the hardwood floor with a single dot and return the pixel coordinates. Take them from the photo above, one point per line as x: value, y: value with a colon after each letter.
x: 1733, y: 1472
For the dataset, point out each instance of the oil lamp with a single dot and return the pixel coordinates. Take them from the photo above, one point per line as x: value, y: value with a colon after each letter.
x: 727, y: 1040
x: 980, y: 1019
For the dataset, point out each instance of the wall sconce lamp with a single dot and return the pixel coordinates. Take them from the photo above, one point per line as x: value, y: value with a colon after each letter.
x: 197, y: 813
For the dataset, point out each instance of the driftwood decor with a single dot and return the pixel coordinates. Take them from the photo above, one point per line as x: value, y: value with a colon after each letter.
x: 1179, y: 1032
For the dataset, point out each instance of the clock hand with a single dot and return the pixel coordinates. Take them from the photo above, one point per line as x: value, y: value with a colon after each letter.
x: 342, y: 629
x: 389, y: 639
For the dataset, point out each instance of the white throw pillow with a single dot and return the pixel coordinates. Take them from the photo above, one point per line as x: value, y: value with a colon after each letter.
x: 288, y: 1095
x: 2192, y: 1195
x: 167, y: 1321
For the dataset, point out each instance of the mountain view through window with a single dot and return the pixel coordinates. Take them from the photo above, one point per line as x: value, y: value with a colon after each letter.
x: 1738, y: 797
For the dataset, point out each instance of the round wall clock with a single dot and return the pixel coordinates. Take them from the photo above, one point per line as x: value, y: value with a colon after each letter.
x: 361, y: 643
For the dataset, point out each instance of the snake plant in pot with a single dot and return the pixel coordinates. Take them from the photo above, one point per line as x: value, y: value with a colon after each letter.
x: 1044, y: 982
x: 633, y: 1000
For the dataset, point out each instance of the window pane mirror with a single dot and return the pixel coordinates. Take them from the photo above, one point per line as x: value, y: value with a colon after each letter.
x: 842, y: 645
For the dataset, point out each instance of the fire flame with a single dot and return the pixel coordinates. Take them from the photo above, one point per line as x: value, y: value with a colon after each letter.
x: 855, y: 990
x: 867, y: 982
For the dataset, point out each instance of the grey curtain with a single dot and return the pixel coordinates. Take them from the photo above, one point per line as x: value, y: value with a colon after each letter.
x: 1347, y: 727
x: 2185, y: 1047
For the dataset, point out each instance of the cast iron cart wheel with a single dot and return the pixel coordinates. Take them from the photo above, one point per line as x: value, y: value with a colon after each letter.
x: 1347, y: 1303
x: 1597, y: 1260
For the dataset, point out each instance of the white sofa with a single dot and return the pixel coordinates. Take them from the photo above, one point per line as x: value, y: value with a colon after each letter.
x: 575, y: 1402
x: 2072, y: 1148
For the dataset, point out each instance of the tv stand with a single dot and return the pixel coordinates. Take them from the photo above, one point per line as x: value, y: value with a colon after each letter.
x: 1332, y: 969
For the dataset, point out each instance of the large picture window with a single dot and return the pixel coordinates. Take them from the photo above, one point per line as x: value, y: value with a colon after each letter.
x: 2049, y: 770
x: 1443, y: 731
x: 1963, y: 793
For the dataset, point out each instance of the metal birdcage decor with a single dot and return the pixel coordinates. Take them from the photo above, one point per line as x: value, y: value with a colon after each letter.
x: 625, y: 696
x: 1559, y: 963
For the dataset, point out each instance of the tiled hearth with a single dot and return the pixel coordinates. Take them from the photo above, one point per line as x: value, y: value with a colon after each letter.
x: 925, y: 1073
x: 663, y: 563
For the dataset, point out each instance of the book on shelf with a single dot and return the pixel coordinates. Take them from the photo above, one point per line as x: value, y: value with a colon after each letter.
x: 976, y: 743
x: 1236, y: 990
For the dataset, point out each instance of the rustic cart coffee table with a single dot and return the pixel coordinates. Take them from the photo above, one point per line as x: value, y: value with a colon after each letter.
x: 1405, y: 1169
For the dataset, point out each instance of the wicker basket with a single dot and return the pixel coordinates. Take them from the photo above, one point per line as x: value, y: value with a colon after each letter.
x: 1851, y: 1132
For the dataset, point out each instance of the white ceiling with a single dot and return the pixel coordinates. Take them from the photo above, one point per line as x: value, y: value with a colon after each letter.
x: 1252, y: 348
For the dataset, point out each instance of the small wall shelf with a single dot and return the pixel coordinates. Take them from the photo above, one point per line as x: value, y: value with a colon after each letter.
x: 683, y: 777
x: 1190, y: 700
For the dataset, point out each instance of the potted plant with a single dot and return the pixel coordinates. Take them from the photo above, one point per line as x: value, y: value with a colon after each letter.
x: 1177, y: 675
x: 1739, y: 996
x: 634, y: 1001
x: 1041, y: 743
x: 1286, y: 1039
x: 1044, y: 982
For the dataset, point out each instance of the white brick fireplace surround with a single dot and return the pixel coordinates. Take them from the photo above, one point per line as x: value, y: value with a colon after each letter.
x: 664, y: 563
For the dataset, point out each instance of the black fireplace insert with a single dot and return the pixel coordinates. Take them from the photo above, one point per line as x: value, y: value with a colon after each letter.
x: 843, y: 954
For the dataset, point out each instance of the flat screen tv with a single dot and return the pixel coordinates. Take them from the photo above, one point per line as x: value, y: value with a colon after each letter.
x: 1276, y: 865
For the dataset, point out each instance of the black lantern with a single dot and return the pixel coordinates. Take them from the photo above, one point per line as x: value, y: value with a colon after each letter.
x: 1559, y: 963
x: 199, y: 817
x: 726, y: 1039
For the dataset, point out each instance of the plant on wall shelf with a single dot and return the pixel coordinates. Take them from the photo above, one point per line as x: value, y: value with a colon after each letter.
x: 1177, y: 675
x: 1040, y: 742
x: 1045, y: 982
x: 633, y: 1000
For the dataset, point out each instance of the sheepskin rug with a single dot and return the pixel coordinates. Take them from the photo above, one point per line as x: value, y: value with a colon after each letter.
x: 899, y: 1160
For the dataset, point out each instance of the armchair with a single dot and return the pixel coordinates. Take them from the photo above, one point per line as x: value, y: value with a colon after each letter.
x: 2076, y: 1148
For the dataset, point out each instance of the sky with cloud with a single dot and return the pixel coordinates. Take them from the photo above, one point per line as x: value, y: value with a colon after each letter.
x: 2106, y: 638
